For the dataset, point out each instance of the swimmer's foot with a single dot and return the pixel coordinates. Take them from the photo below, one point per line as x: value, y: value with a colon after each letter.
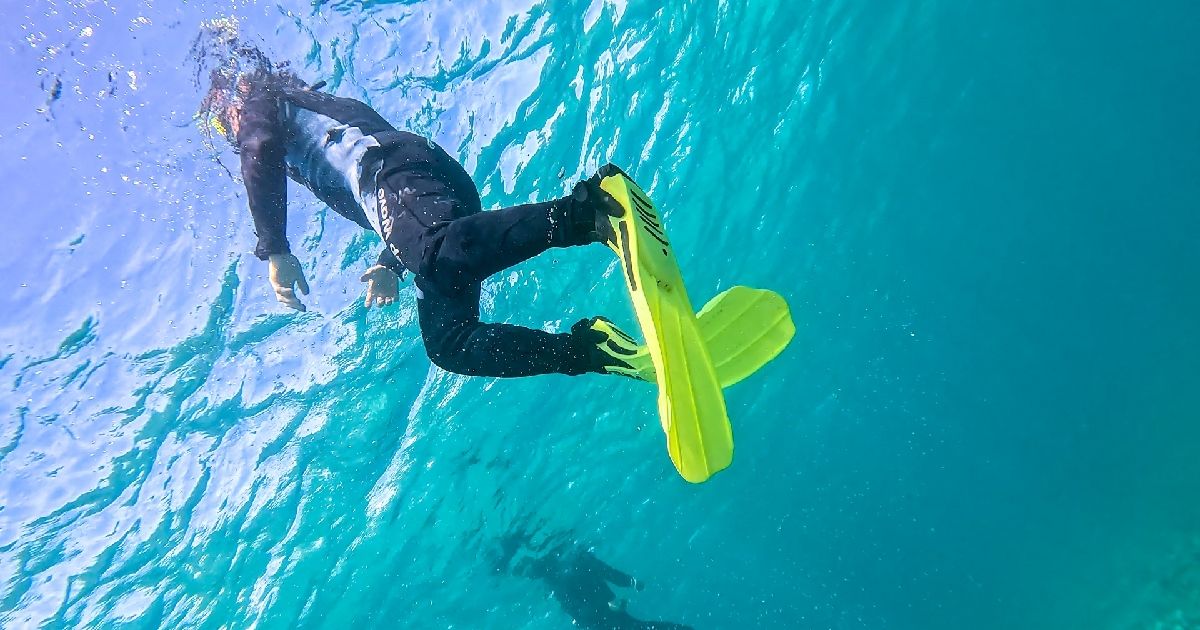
x: 586, y: 215
x: 609, y: 350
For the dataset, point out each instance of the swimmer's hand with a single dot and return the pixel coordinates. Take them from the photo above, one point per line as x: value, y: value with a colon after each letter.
x: 285, y: 275
x: 383, y: 285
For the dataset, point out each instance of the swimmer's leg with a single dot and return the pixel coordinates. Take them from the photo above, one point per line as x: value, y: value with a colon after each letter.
x: 438, y: 231
x: 471, y: 249
x: 458, y: 342
x: 488, y: 242
x: 621, y: 620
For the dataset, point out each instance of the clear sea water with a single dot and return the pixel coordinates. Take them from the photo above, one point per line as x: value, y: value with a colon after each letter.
x: 985, y: 216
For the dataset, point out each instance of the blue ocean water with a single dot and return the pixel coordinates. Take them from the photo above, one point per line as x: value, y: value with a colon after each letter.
x: 984, y: 216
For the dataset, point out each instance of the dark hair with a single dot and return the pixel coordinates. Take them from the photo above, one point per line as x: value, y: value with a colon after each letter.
x: 232, y: 67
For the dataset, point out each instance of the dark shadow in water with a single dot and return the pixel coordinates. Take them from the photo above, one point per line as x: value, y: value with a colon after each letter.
x: 581, y: 582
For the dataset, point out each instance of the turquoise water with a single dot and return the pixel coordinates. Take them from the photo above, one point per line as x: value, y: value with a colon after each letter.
x: 984, y: 216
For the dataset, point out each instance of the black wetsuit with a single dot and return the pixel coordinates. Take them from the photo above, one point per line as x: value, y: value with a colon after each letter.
x: 426, y: 208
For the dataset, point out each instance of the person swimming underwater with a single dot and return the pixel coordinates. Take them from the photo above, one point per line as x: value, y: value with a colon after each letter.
x: 422, y: 203
x: 580, y: 581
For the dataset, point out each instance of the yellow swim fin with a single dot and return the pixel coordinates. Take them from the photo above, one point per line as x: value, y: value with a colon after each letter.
x: 691, y: 404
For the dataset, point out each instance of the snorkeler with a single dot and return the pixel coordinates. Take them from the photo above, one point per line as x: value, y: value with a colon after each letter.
x: 422, y: 203
x: 581, y: 583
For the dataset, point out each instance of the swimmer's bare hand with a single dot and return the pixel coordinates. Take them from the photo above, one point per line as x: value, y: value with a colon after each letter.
x: 383, y: 285
x: 286, y: 276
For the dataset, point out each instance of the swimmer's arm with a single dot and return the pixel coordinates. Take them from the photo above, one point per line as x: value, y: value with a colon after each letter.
x: 610, y: 574
x: 261, y: 143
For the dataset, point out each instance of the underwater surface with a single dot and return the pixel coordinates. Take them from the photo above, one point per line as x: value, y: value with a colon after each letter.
x: 984, y: 215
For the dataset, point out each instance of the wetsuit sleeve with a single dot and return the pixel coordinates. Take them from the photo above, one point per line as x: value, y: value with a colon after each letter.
x: 261, y: 143
x: 389, y: 260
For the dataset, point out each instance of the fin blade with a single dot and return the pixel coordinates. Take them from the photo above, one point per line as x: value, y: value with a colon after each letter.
x: 745, y: 329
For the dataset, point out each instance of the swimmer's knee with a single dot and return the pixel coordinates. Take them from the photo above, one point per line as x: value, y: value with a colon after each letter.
x: 445, y: 360
x: 451, y: 257
x: 448, y: 355
x: 439, y: 352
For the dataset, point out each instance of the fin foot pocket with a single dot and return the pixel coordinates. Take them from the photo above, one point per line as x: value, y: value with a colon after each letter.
x: 613, y: 351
